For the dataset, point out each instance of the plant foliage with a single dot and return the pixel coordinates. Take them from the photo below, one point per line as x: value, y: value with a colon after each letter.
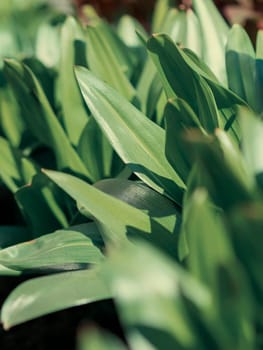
x: 136, y: 171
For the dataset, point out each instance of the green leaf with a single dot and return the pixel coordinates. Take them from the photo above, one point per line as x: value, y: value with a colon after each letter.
x: 214, y: 32
x: 144, y: 198
x: 252, y: 131
x: 149, y: 89
x: 241, y: 66
x: 107, y: 58
x: 138, y: 141
x: 166, y: 55
x: 73, y: 48
x: 42, y: 205
x: 12, y: 124
x: 223, y: 171
x: 4, y: 271
x: 97, y: 153
x: 40, y: 117
x: 61, y: 250
x: 193, y: 36
x: 117, y: 219
x: 247, y: 243
x: 148, y: 290
x: 15, y: 170
x: 183, y: 81
x: 179, y: 116
x: 160, y: 14
x: 43, y: 295
x: 203, y: 260
x: 259, y: 45
x: 48, y: 44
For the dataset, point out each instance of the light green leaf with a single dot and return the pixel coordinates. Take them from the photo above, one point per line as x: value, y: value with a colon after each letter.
x: 12, y: 124
x: 117, y: 219
x: 252, y: 131
x: 259, y: 45
x: 160, y: 14
x: 107, y: 58
x: 214, y: 32
x: 58, y: 251
x: 73, y: 49
x: 43, y: 295
x: 48, y: 44
x: 4, y: 271
x: 138, y: 141
x: 150, y: 301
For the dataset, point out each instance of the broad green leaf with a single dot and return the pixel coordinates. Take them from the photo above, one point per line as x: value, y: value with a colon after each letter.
x: 10, y: 235
x: 43, y: 295
x: 138, y: 141
x: 240, y: 64
x: 73, y: 49
x: 148, y: 288
x: 40, y: 117
x: 117, y: 219
x: 61, y: 250
x: 106, y: 58
x: 214, y: 31
x: 178, y: 117
x: 143, y: 197
x: 42, y: 205
x: 91, y: 339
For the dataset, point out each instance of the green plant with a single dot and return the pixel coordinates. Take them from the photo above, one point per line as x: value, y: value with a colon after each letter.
x: 164, y: 168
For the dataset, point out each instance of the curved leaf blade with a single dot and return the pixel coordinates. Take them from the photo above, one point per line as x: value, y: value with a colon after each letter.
x: 44, y: 295
x: 137, y: 140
